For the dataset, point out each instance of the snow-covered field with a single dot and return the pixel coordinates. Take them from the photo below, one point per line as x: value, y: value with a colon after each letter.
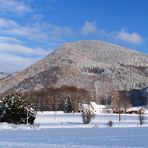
x: 59, y: 130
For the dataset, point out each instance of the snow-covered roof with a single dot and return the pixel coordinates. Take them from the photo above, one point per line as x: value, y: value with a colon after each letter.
x: 93, y: 106
x: 85, y: 106
x: 136, y: 108
x: 97, y: 107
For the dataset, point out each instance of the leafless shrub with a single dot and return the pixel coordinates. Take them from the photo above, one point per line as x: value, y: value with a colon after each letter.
x: 87, y: 116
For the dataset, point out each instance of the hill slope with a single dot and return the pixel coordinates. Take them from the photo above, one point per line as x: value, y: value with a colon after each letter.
x: 97, y: 66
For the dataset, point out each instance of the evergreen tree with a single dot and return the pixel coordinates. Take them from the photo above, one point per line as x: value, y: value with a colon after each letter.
x: 67, y: 105
x: 14, y: 109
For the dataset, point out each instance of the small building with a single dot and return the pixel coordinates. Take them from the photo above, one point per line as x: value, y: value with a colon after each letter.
x: 116, y: 111
x: 135, y: 110
x: 97, y: 107
x: 92, y: 107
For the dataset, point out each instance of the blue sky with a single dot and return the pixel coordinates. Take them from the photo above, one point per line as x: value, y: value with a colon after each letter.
x: 30, y: 29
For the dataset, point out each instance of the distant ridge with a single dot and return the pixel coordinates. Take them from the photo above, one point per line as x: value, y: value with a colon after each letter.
x: 3, y: 75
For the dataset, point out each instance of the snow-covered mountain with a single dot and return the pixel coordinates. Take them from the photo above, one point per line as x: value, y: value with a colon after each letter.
x: 97, y: 66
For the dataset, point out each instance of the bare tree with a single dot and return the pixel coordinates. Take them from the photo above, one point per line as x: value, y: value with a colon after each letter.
x: 141, y: 116
x: 116, y: 103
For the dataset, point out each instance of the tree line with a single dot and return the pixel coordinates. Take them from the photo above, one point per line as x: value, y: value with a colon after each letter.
x: 55, y: 99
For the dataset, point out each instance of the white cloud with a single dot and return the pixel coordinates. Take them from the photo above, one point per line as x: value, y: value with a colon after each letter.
x: 14, y: 6
x: 130, y: 37
x: 20, y: 49
x: 6, y: 23
x: 133, y: 37
x: 15, y: 56
x: 5, y: 39
x: 88, y: 28
x: 62, y: 31
x: 30, y: 31
x: 12, y: 63
x: 35, y: 31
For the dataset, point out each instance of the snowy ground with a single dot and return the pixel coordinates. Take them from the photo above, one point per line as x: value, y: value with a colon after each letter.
x: 67, y: 131
x: 61, y: 120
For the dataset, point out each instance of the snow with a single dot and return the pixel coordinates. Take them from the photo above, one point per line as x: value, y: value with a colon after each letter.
x: 75, y: 138
x: 60, y: 130
x: 74, y: 120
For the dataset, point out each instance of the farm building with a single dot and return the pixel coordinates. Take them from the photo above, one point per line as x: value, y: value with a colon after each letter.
x: 135, y: 110
x: 92, y: 107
